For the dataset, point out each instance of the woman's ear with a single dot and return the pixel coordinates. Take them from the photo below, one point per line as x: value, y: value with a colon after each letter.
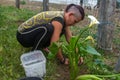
x: 71, y: 13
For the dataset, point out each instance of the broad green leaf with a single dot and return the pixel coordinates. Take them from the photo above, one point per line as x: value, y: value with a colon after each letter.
x: 65, y: 48
x: 81, y: 50
x: 91, y: 50
x: 81, y: 47
x: 54, y: 48
x: 50, y: 55
x: 88, y: 77
x: 73, y: 41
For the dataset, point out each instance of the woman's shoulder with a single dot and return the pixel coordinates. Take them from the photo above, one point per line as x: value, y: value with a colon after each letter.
x: 50, y: 14
x: 53, y: 13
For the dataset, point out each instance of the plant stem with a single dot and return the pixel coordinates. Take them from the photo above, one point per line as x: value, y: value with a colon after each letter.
x: 80, y: 36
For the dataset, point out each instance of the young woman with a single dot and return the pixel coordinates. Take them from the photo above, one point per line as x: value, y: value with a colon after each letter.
x: 47, y: 27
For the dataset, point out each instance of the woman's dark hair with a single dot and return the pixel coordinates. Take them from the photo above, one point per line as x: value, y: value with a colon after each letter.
x: 81, y: 10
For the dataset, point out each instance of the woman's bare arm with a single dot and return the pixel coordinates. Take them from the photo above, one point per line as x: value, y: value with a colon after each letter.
x: 57, y: 31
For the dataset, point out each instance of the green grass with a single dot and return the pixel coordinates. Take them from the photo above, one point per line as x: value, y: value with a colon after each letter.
x: 10, y: 49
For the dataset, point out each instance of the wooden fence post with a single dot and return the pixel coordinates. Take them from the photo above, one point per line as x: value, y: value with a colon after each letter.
x: 45, y: 5
x: 106, y: 26
x: 18, y: 4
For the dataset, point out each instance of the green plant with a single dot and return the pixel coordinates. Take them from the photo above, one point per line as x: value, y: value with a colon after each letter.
x: 88, y: 77
x: 23, y: 2
x: 76, y: 49
x: 98, y: 77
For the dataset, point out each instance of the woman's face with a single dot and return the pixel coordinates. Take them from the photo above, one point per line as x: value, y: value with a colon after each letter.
x: 71, y: 19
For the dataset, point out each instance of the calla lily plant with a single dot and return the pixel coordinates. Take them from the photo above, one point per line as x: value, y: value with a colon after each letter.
x: 81, y: 46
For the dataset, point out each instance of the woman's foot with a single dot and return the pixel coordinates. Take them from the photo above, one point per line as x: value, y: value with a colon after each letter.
x: 80, y: 61
x: 64, y: 61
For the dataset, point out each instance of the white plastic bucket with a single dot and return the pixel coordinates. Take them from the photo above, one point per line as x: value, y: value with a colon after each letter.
x: 34, y: 63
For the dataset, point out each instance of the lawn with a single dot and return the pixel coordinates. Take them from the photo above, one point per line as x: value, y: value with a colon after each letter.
x: 10, y: 49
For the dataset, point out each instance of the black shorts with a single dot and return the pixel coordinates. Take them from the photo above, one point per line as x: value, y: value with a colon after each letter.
x: 39, y: 36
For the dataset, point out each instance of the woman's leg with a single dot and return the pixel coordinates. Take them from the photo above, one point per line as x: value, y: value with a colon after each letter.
x: 36, y: 37
x: 43, y: 41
